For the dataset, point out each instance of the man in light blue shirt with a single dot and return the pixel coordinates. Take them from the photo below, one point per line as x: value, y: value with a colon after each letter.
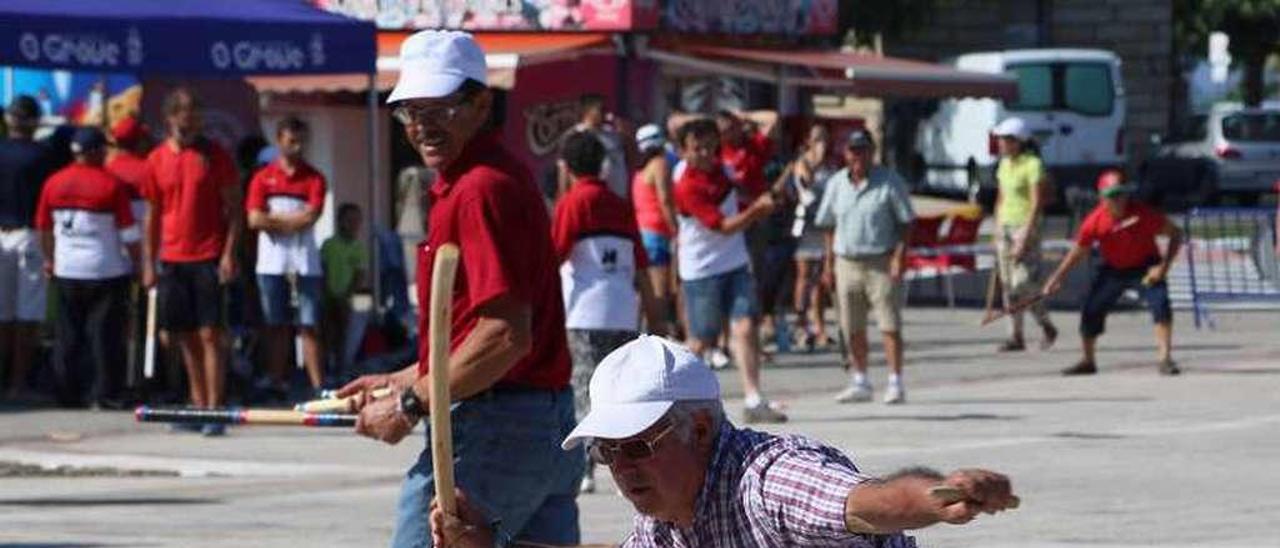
x: 868, y: 211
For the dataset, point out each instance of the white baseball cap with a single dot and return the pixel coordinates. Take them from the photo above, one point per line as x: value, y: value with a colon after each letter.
x: 637, y: 384
x: 1013, y: 127
x: 434, y: 63
x: 649, y: 136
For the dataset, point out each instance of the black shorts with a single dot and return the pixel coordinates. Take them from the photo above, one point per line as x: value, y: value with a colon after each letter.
x: 189, y: 295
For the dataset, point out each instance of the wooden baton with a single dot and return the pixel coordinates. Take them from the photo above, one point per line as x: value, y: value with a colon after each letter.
x: 242, y: 415
x: 337, y: 405
x: 441, y: 317
x: 149, y: 348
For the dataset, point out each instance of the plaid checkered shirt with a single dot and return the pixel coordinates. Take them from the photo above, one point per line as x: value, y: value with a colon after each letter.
x: 763, y: 490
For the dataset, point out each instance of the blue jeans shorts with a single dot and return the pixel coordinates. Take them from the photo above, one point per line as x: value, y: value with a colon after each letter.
x: 712, y: 300
x: 656, y: 247
x: 277, y: 310
x: 507, y: 458
x: 1107, y: 287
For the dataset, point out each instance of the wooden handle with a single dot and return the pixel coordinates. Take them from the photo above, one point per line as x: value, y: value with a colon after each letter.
x: 149, y: 349
x: 950, y: 495
x: 441, y: 314
x: 337, y: 405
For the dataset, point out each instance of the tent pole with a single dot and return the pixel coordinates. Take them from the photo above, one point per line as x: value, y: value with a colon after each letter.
x: 375, y: 189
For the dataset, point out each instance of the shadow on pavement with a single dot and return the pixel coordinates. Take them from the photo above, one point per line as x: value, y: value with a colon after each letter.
x: 114, y: 501
x: 915, y: 418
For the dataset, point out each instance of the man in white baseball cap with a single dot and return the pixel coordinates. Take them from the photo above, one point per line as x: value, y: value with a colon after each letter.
x: 509, y: 359
x: 657, y: 421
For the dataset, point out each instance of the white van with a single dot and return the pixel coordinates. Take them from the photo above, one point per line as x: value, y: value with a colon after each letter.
x: 1073, y: 100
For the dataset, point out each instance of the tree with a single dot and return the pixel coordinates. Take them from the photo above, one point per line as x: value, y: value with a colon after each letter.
x: 1252, y: 25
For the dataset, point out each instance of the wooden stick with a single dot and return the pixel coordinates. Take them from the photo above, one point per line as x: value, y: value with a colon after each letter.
x: 993, y: 289
x: 441, y: 317
x: 337, y: 405
x: 1016, y: 308
x: 149, y: 349
x: 242, y: 415
x: 950, y: 495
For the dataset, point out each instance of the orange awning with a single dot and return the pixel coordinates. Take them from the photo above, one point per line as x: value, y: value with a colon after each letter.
x: 856, y: 73
x: 505, y: 52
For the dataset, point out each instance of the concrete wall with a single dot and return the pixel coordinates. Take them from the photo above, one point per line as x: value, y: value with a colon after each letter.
x: 1139, y: 31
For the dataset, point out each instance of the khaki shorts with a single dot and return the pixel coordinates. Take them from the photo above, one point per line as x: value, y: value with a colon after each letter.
x: 863, y: 285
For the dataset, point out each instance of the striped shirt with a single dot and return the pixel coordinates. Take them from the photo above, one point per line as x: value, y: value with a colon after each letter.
x: 763, y: 490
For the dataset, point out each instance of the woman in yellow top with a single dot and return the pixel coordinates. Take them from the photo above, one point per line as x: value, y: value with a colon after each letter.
x: 1023, y: 193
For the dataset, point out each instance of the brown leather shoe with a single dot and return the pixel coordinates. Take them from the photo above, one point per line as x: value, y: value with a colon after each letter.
x: 1169, y: 368
x: 1081, y: 368
x: 1012, y: 345
x: 1050, y: 337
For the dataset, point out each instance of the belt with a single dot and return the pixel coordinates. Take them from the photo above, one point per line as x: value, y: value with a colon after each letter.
x: 509, y: 389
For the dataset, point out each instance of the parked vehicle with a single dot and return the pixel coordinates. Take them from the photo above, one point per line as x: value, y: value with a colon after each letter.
x: 1231, y: 151
x: 1073, y: 99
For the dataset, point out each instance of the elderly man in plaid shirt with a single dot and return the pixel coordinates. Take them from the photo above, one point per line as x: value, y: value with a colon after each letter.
x: 697, y: 480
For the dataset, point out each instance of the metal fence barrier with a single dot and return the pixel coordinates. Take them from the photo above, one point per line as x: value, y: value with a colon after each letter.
x: 1231, y: 255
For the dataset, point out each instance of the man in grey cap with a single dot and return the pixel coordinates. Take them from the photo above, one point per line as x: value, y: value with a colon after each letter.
x: 697, y: 480
x: 869, y: 211
x: 509, y: 362
x: 24, y: 166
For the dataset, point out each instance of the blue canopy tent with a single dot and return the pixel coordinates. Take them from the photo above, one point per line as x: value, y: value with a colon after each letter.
x: 193, y: 38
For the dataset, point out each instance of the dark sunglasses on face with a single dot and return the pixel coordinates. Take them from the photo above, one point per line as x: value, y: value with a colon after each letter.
x: 633, y: 449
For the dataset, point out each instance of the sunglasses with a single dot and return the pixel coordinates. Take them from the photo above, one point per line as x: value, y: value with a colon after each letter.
x: 634, y: 449
x: 428, y: 115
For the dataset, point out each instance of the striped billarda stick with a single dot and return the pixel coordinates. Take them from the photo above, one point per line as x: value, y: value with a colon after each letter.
x: 241, y: 415
x: 441, y: 317
x: 337, y: 405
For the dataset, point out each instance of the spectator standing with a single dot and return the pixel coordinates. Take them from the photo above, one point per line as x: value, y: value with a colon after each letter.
x: 345, y: 258
x: 86, y: 224
x: 509, y: 363
x: 1020, y: 202
x: 128, y: 161
x: 869, y: 210
x: 651, y: 196
x: 714, y: 267
x: 613, y: 134
x: 1125, y: 232
x: 808, y: 183
x: 284, y: 202
x: 746, y: 145
x: 24, y: 167
x: 192, y: 227
x: 601, y: 262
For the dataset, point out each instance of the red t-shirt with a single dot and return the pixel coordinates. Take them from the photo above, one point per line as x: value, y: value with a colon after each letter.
x: 130, y: 168
x: 1127, y: 242
x: 487, y: 204
x: 746, y: 162
x: 87, y: 211
x: 591, y: 209
x: 185, y: 185
x: 84, y: 188
x: 701, y: 194
x: 305, y: 185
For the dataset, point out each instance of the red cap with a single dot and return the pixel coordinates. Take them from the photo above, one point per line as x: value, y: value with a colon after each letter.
x: 1111, y: 182
x: 128, y: 130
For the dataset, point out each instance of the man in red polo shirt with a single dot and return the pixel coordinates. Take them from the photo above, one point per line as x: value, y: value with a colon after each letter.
x: 192, y: 226
x: 1125, y: 232
x: 128, y: 160
x: 509, y: 363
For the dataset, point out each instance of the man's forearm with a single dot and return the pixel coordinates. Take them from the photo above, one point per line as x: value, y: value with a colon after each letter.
x: 896, y: 504
x: 1171, y: 253
x: 1074, y: 256
x: 491, y: 349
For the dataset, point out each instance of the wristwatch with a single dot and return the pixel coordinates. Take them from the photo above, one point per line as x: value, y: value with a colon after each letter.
x: 411, y: 405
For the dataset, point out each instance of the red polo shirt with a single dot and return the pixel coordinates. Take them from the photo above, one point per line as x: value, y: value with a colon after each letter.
x: 1127, y: 242
x: 487, y: 204
x: 746, y: 163
x: 589, y: 209
x: 701, y: 195
x: 185, y: 185
x: 130, y: 168
x: 304, y: 185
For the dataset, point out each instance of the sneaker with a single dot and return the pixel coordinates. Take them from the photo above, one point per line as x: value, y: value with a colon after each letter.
x: 717, y: 359
x: 1169, y: 368
x: 213, y: 430
x: 1081, y: 368
x: 1012, y: 345
x: 763, y: 413
x: 588, y: 485
x: 1050, y: 337
x: 856, y: 392
x: 896, y: 394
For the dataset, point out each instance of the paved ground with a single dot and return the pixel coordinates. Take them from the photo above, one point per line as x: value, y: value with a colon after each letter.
x: 1123, y: 458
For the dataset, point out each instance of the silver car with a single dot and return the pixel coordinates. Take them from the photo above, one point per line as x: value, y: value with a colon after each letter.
x: 1231, y: 151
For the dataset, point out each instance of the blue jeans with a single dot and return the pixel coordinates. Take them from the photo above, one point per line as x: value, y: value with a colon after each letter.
x: 710, y: 301
x: 1107, y: 287
x: 277, y: 310
x: 507, y: 458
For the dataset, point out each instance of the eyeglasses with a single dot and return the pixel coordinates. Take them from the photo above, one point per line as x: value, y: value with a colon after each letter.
x: 431, y: 115
x: 634, y: 449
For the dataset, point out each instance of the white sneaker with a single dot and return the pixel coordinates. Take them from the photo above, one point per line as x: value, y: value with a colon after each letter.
x: 856, y: 392
x: 716, y: 358
x: 896, y: 394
